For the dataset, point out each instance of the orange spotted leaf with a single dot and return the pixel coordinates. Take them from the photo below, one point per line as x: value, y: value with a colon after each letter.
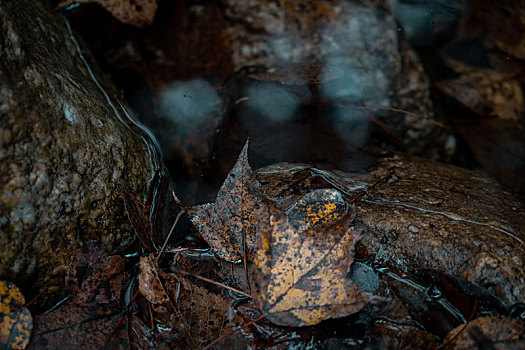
x: 16, y: 322
x: 300, y: 277
x: 317, y: 208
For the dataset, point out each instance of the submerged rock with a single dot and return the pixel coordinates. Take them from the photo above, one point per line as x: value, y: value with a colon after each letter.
x: 426, y: 216
x: 64, y: 141
x: 349, y: 54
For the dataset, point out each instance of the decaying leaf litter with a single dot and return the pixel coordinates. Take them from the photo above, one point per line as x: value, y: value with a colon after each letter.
x: 291, y: 228
x: 299, y: 251
x: 301, y: 261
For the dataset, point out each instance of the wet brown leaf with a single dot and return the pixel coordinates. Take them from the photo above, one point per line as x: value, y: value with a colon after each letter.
x: 77, y: 327
x: 135, y: 12
x: 138, y: 214
x: 488, y: 333
x: 16, y: 322
x: 231, y: 219
x: 141, y: 336
x: 95, y: 277
x: 301, y: 276
x: 200, y: 315
x: 209, y: 315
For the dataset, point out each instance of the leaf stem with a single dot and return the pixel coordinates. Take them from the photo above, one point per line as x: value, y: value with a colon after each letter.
x: 222, y: 285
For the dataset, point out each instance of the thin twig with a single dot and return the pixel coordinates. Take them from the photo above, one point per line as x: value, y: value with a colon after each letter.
x: 392, y: 109
x: 169, y: 234
x: 175, y: 310
x: 207, y: 347
x: 242, y: 99
x: 117, y: 326
x: 185, y: 273
x: 33, y: 300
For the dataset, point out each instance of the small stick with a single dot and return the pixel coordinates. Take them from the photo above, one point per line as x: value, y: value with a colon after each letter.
x: 33, y: 300
x: 117, y: 326
x: 185, y: 273
x: 402, y: 111
x: 242, y: 99
x: 169, y: 234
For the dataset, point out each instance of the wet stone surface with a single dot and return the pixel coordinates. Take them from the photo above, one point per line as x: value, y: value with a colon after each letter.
x: 427, y: 215
x: 63, y: 146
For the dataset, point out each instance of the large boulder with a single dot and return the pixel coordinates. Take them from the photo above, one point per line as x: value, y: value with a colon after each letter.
x: 424, y: 215
x: 64, y: 142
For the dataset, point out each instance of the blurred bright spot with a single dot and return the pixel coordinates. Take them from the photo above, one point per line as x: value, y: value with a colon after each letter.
x: 193, y: 100
x: 272, y: 100
x: 343, y: 80
x: 352, y: 126
x: 348, y: 84
x: 289, y: 48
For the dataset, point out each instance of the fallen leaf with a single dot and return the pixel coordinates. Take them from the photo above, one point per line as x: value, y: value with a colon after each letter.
x: 488, y: 333
x: 138, y: 211
x: 135, y: 12
x: 11, y: 298
x: 95, y: 277
x: 231, y: 219
x: 78, y: 327
x: 16, y: 322
x: 301, y: 276
x: 141, y: 336
x: 200, y: 315
x: 316, y: 208
x: 209, y: 315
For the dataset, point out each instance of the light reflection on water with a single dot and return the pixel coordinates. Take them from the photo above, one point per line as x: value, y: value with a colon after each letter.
x: 355, y: 83
x: 353, y: 127
x: 272, y: 100
x: 188, y: 100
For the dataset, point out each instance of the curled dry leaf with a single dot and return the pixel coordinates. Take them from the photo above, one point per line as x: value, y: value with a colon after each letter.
x: 300, y: 277
x: 135, y: 12
x: 95, y: 277
x: 16, y: 322
x: 138, y: 212
x: 150, y: 285
x: 231, y: 219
